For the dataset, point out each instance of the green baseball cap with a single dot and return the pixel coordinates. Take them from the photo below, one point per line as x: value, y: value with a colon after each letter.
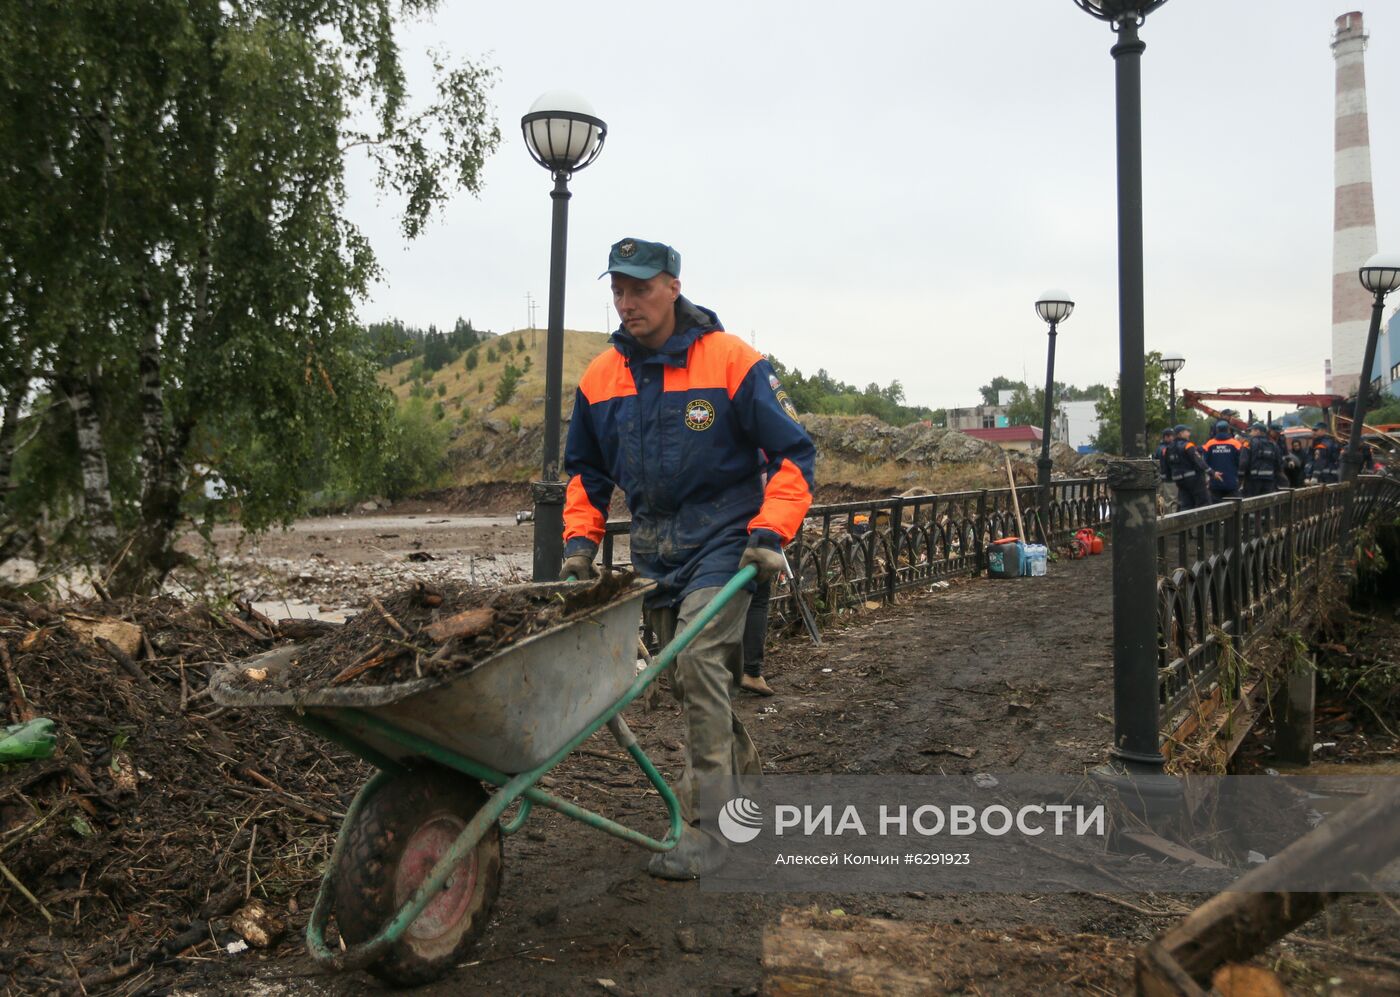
x: 641, y: 259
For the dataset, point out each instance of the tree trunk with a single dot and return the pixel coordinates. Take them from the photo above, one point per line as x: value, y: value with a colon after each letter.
x: 92, y: 463
x: 13, y: 537
x: 152, y: 399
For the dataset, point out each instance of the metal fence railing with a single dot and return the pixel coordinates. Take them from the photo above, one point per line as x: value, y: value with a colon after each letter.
x: 1233, y: 571
x: 913, y: 540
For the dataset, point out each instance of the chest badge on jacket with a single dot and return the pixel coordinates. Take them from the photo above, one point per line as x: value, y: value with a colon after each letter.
x: 699, y: 415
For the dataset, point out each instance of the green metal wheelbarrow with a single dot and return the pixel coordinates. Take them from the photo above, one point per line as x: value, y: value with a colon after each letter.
x: 417, y: 863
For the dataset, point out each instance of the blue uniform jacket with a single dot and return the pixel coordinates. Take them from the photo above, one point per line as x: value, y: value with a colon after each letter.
x: 679, y: 430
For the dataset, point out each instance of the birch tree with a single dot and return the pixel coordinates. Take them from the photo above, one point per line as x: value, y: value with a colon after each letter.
x: 178, y: 278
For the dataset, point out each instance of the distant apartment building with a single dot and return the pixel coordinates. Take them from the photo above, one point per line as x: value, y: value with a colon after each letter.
x: 1076, y: 423
x: 1385, y: 372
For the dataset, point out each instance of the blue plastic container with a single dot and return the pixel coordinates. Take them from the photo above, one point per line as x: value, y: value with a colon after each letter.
x: 1037, y: 558
x: 1006, y: 558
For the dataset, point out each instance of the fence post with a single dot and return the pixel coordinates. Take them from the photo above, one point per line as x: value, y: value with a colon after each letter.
x: 1288, y: 553
x: 980, y: 544
x: 1234, y: 543
x: 896, y: 534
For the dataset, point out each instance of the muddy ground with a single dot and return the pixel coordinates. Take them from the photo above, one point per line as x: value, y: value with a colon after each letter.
x: 888, y: 692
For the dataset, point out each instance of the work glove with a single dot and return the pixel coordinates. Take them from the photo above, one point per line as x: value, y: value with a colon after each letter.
x: 577, y: 566
x: 767, y: 559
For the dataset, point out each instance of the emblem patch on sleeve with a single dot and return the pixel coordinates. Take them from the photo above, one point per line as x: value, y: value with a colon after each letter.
x: 787, y: 404
x: 699, y: 415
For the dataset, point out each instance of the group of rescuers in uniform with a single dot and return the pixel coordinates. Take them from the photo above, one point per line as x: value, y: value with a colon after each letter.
x: 1226, y: 466
x: 694, y: 426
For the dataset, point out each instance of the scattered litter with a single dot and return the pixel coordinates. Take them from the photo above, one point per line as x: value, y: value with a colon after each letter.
x: 984, y: 781
x: 236, y: 946
x: 951, y: 749
x: 27, y: 741
x: 939, y: 585
x: 826, y: 671
x: 257, y: 925
x: 1255, y: 858
x: 1014, y: 708
x: 607, y: 984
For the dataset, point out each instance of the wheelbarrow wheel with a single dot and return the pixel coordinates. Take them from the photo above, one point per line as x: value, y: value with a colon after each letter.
x: 401, y: 832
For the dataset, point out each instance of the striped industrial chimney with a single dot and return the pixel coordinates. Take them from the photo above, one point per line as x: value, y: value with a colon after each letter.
x: 1354, y: 211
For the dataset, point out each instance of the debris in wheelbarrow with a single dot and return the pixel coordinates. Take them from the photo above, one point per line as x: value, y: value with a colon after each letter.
x: 426, y: 630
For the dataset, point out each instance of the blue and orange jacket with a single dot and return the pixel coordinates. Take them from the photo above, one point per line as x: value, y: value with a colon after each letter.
x: 1223, y: 455
x: 680, y: 431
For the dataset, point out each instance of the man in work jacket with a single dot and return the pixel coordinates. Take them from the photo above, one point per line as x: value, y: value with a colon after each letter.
x: 675, y: 413
x: 1262, y: 464
x: 1188, y: 470
x: 1160, y: 453
x: 1222, y: 452
x: 1325, y: 464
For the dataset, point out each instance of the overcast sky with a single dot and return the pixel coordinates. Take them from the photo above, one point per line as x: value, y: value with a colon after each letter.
x: 883, y: 189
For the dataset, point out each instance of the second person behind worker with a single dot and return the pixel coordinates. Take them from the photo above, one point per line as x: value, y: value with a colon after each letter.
x: 1187, y: 470
x: 1222, y: 453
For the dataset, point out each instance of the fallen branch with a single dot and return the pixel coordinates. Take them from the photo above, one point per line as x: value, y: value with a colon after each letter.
x: 127, y: 663
x: 467, y: 623
x: 24, y: 892
x: 20, y: 705
x: 388, y: 617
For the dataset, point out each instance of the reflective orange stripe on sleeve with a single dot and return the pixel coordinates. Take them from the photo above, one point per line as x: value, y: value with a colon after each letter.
x: 607, y: 377
x: 785, y: 503
x: 717, y: 360
x: 581, y: 517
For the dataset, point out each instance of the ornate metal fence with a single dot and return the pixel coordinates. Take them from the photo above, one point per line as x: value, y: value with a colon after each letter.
x: 911, y: 541
x: 1234, y: 570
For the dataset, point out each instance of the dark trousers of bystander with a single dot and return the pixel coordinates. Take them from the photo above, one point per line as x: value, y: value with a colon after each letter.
x: 756, y: 629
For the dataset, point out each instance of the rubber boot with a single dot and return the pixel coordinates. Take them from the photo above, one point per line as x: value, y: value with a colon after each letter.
x: 755, y: 684
x: 697, y: 854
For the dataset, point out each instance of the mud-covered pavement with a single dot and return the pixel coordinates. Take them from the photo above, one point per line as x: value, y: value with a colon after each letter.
x: 976, y: 676
x: 889, y: 692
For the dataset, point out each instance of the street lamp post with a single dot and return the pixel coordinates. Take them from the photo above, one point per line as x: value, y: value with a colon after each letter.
x: 1136, y: 756
x: 1171, y: 363
x: 1380, y: 275
x: 1053, y: 307
x: 563, y: 135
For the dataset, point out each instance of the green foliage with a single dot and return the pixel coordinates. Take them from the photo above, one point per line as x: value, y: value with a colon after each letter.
x: 1158, y: 405
x: 415, y: 452
x: 442, y: 390
x: 992, y: 392
x: 175, y: 252
x: 529, y: 362
x: 480, y: 386
x: 473, y: 356
x: 515, y: 423
x: 825, y: 395
x: 505, y: 387
x: 490, y: 354
x: 439, y: 411
x: 520, y: 344
x: 465, y: 415
x: 1389, y: 412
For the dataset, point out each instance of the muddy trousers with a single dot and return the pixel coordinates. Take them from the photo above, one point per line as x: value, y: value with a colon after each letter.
x: 717, y: 748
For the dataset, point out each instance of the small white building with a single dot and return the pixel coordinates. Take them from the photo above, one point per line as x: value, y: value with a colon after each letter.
x: 1079, y: 423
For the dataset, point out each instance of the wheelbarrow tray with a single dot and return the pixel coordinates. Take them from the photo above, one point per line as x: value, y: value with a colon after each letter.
x: 511, y: 711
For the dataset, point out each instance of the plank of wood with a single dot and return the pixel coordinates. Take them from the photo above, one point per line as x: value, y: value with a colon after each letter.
x: 467, y: 623
x: 1170, y: 849
x: 1235, y: 925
